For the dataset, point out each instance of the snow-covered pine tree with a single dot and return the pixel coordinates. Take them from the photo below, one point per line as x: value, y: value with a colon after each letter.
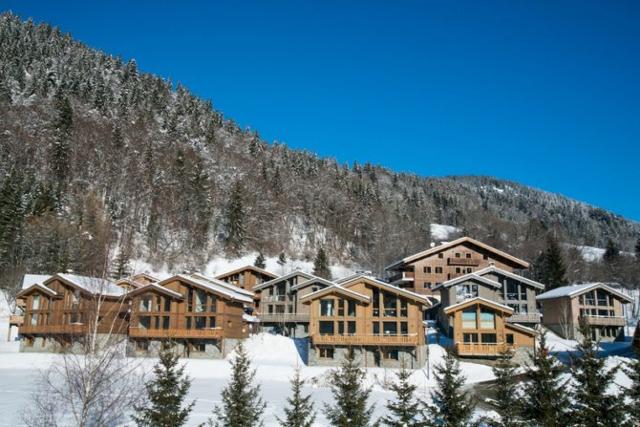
x: 235, y: 220
x: 350, y: 407
x: 633, y: 391
x: 60, y: 148
x: 507, y: 402
x: 242, y: 405
x: 592, y: 405
x: 450, y: 406
x: 321, y: 265
x: 121, y: 266
x: 299, y: 411
x: 163, y: 404
x: 405, y: 410
x: 260, y: 261
x: 638, y: 250
x: 551, y: 269
x: 611, y: 252
x: 545, y: 400
x: 282, y: 260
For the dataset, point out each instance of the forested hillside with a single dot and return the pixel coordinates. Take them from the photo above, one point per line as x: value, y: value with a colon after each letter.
x: 101, y: 161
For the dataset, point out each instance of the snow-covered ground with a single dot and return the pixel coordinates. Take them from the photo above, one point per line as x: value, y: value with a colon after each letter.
x: 442, y: 232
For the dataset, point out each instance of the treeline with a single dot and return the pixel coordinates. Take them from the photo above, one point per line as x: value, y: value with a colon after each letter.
x: 544, y: 395
x: 98, y: 157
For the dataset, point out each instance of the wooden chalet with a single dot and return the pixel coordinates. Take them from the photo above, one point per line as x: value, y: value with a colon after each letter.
x: 480, y: 329
x: 247, y: 277
x: 425, y: 270
x: 381, y: 322
x: 600, y: 305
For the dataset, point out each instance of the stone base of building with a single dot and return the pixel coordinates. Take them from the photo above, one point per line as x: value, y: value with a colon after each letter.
x: 600, y: 333
x: 369, y: 356
x: 64, y: 343
x: 192, y: 349
x: 293, y: 330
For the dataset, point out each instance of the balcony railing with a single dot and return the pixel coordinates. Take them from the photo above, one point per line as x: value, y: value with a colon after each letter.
x: 524, y: 318
x: 16, y: 319
x: 472, y: 262
x: 175, y: 333
x: 274, y: 298
x: 605, y: 320
x: 71, y: 329
x: 401, y: 276
x: 480, y: 349
x: 283, y: 317
x: 396, y: 340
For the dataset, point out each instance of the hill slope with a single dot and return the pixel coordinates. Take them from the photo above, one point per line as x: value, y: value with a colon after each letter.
x: 101, y: 160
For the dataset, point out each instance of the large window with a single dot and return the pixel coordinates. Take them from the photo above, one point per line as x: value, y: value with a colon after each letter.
x: 326, y: 307
x: 145, y: 303
x: 376, y: 302
x: 404, y: 308
x: 351, y: 328
x: 144, y: 322
x: 201, y: 322
x: 35, y: 302
x: 487, y: 319
x: 390, y: 328
x: 390, y: 305
x: 404, y: 328
x: 340, y: 307
x: 201, y: 301
x: 351, y: 309
x: 469, y: 318
x: 489, y: 338
x: 470, y: 338
x: 326, y: 328
x: 376, y: 328
x: 603, y: 298
x: 326, y: 352
x: 466, y: 291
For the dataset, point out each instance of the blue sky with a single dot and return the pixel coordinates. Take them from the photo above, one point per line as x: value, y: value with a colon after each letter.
x: 545, y: 93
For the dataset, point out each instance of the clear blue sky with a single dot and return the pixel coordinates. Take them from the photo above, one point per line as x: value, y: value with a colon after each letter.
x: 546, y: 93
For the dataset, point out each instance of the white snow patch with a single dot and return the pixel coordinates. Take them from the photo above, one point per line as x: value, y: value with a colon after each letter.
x: 441, y: 231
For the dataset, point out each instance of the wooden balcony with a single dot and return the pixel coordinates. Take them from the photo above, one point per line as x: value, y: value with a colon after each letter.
x: 284, y: 318
x: 173, y: 333
x: 469, y: 262
x: 16, y: 319
x: 605, y: 320
x: 480, y: 349
x: 274, y: 298
x: 71, y: 329
x: 384, y: 340
x: 401, y: 276
x: 524, y: 318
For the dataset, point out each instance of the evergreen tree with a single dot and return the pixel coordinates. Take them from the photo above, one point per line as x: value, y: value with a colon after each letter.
x: 350, y: 407
x: 11, y: 219
x: 550, y: 267
x: 591, y: 405
x: 242, y: 405
x: 300, y: 412
x: 282, y: 260
x: 321, y: 265
x: 165, y: 394
x: 633, y: 392
x: 451, y: 406
x: 611, y: 253
x: 260, y: 261
x: 405, y: 410
x: 60, y: 149
x: 235, y: 221
x: 638, y: 250
x: 121, y: 268
x: 545, y: 401
x: 507, y: 403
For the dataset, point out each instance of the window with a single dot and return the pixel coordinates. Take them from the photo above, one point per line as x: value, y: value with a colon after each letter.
x: 404, y: 328
x: 440, y: 255
x: 404, y: 309
x: 468, y: 255
x: 201, y: 322
x: 424, y: 269
x: 376, y: 302
x: 326, y: 307
x: 34, y: 319
x: 457, y: 254
x: 438, y: 270
x: 201, y: 301
x: 390, y: 354
x: 314, y: 289
x: 326, y: 328
x: 469, y: 269
x: 470, y: 338
x: 428, y: 269
x: 351, y: 327
x: 487, y: 320
x: 390, y: 305
x: 581, y: 299
x: 199, y: 347
x: 144, y: 322
x: 590, y: 298
x: 326, y: 352
x: 35, y: 303
x: 188, y: 322
x: 603, y: 298
x: 142, y: 345
x: 165, y: 322
x: 489, y: 338
x: 145, y: 304
x: 466, y: 291
x: 457, y: 270
x: 351, y: 308
x: 270, y: 308
x: 340, y: 328
x: 189, y: 300
x: 427, y: 285
x: 485, y: 257
x: 390, y: 328
x: 340, y: 307
x: 603, y: 313
x: 376, y: 328
x: 167, y: 304
x: 510, y: 340
x: 212, y: 322
x: 469, y: 318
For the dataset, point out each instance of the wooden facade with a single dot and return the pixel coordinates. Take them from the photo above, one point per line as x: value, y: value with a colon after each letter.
x: 480, y: 329
x: 247, y: 277
x: 381, y: 321
x: 425, y: 270
x: 600, y: 305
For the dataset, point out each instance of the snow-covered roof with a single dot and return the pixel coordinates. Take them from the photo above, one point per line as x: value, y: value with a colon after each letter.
x: 31, y: 279
x: 521, y: 328
x: 493, y: 269
x: 577, y: 289
x: 94, y: 285
x: 480, y: 300
x: 155, y: 286
x: 244, y: 268
x: 466, y: 277
x: 223, y: 284
x: 351, y: 276
x: 453, y: 243
x: 146, y: 276
x: 285, y: 277
x: 213, y: 286
x: 39, y: 286
x: 388, y: 286
x: 311, y: 281
x: 335, y: 288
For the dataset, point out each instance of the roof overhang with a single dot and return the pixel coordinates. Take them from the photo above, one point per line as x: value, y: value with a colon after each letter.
x: 468, y: 277
x: 334, y: 289
x: 151, y: 287
x: 35, y: 288
x: 388, y: 287
x: 478, y: 301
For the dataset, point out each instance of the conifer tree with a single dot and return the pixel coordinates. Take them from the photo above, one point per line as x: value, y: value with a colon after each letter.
x: 633, y: 391
x: 611, y: 253
x: 242, y: 405
x: 405, y: 410
x: 300, y: 412
x: 592, y: 405
x: 638, y: 250
x: 235, y: 220
x: 350, y: 407
x: 260, y: 261
x: 321, y: 265
x: 121, y: 267
x: 165, y: 393
x: 282, y: 260
x: 507, y: 403
x: 451, y: 406
x: 545, y: 400
x: 550, y: 267
x: 60, y: 149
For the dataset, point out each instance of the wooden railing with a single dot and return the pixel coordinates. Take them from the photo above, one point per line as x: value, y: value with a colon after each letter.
x: 605, y: 320
x: 71, y: 329
x: 284, y: 317
x: 480, y: 349
x: 473, y: 262
x: 524, y: 318
x: 16, y: 319
x: 274, y: 298
x: 175, y: 333
x: 396, y: 340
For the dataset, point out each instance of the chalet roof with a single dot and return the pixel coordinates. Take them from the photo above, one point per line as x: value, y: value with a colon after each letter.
x: 31, y: 279
x: 351, y: 276
x: 127, y: 281
x: 493, y: 269
x: 247, y: 267
x: 285, y: 277
x: 223, y: 284
x: 372, y: 280
x: 156, y: 287
x: 521, y: 328
x: 36, y: 286
x: 212, y: 286
x: 146, y: 276
x: 453, y: 243
x: 481, y: 301
x: 311, y: 281
x: 467, y: 277
x: 93, y: 285
x: 335, y: 288
x: 577, y: 289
